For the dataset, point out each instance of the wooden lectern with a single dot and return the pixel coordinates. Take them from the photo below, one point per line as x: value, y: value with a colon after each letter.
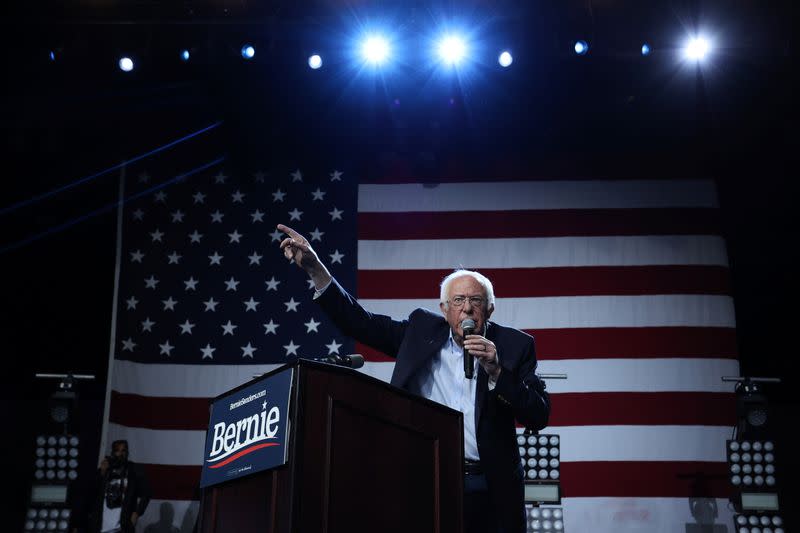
x: 363, y: 456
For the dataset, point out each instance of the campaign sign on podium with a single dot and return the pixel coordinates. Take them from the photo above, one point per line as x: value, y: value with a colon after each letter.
x: 248, y: 429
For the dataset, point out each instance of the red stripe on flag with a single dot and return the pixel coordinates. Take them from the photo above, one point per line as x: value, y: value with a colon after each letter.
x: 640, y: 479
x: 557, y: 281
x: 620, y: 343
x: 569, y: 409
x: 645, y: 479
x: 643, y: 408
x: 174, y: 482
x: 636, y: 343
x: 539, y: 223
x: 155, y: 412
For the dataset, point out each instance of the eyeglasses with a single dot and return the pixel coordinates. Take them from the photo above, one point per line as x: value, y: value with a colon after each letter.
x: 475, y: 301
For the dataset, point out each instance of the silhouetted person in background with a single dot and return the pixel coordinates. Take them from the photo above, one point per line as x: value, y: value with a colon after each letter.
x: 119, y: 495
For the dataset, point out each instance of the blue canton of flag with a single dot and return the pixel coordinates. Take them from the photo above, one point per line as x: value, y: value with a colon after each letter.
x: 202, y: 279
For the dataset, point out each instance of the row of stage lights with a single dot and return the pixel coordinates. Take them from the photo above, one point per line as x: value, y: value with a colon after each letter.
x: 450, y: 50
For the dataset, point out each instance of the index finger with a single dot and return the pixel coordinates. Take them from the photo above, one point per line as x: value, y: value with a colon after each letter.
x: 289, y: 231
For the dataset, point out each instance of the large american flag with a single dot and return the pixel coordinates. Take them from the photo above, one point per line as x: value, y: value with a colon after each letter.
x: 623, y: 283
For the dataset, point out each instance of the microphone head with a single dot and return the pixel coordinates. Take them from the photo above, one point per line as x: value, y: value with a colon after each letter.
x: 356, y: 360
x: 468, y: 325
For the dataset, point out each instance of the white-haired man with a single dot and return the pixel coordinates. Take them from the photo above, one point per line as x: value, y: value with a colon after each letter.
x: 428, y: 349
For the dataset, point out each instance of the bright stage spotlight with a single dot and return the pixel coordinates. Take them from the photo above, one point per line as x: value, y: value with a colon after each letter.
x: 645, y: 49
x: 505, y: 59
x: 248, y: 51
x: 581, y: 47
x: 126, y: 64
x: 185, y: 55
x: 452, y: 49
x: 315, y: 61
x: 375, y: 49
x: 697, y: 48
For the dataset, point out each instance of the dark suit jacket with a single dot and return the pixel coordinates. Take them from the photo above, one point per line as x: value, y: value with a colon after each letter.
x: 519, y: 394
x: 137, y: 496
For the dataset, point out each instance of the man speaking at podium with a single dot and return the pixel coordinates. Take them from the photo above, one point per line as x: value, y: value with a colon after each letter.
x: 461, y: 360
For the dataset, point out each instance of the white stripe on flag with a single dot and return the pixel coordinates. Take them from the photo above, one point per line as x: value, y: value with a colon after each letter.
x: 589, y: 311
x: 164, y: 447
x: 540, y: 252
x: 503, y: 196
x: 182, y: 381
x: 642, y: 443
x: 585, y: 375
x: 645, y: 515
x: 597, y: 515
x: 609, y: 443
x: 621, y: 375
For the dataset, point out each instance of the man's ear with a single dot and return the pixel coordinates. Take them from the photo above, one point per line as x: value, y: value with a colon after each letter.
x: 489, y: 311
x: 443, y: 307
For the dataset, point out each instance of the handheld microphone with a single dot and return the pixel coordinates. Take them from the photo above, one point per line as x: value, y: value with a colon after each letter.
x: 468, y: 327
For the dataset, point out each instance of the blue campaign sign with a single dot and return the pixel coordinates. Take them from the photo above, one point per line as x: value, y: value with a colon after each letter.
x: 247, y: 431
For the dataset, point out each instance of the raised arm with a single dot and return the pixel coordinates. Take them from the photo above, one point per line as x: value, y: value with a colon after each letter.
x: 297, y: 247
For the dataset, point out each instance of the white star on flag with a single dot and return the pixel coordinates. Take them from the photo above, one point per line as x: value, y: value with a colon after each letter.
x: 295, y: 214
x: 191, y: 283
x: 147, y: 324
x: 336, y: 214
x: 276, y: 236
x: 137, y: 256
x: 247, y: 351
x: 211, y: 305
x: 291, y: 348
x: 199, y: 198
x: 138, y: 214
x: 128, y: 344
x: 316, y: 235
x: 317, y: 195
x: 220, y: 178
x: 216, y: 216
x: 272, y: 284
x: 215, y: 259
x: 333, y: 347
x: 166, y: 348
x: 258, y: 177
x: 151, y: 282
x: 195, y: 236
x: 186, y: 327
x: 257, y: 216
x: 174, y: 258
x: 336, y: 175
x: 169, y: 303
x: 255, y: 259
x: 144, y: 177
x: 132, y: 301
x: 297, y: 176
x: 237, y: 197
x: 312, y: 325
x: 291, y: 305
x: 278, y: 195
x: 227, y: 329
x: 156, y: 235
x: 271, y: 327
x: 234, y: 237
x: 161, y: 196
x: 336, y: 257
x: 251, y: 304
x: 231, y: 284
x: 208, y: 351
x: 177, y: 216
